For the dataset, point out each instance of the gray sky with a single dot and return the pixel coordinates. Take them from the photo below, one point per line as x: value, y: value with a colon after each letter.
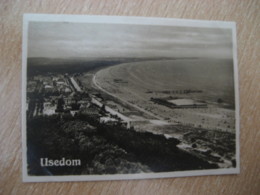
x: 63, y: 39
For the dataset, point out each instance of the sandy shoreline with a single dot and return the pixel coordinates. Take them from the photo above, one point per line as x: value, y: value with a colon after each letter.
x: 128, y: 88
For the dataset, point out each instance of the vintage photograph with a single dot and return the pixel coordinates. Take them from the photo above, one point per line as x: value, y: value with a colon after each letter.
x: 128, y: 98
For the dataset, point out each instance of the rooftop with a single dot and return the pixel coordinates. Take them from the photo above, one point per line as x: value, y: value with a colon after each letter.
x: 185, y: 102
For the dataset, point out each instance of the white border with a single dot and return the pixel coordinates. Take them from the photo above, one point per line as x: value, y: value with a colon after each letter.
x: 124, y: 20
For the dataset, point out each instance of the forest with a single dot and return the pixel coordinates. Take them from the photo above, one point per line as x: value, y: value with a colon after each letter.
x: 102, y: 149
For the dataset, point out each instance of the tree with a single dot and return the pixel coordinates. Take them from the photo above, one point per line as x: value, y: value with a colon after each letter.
x: 60, y: 104
x: 220, y: 100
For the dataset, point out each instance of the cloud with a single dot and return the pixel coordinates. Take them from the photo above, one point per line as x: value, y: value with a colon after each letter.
x: 60, y: 39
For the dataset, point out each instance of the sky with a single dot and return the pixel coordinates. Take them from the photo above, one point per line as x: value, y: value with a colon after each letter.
x: 90, y: 40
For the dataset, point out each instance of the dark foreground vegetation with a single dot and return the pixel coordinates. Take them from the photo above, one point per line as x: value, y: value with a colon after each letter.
x: 102, y: 149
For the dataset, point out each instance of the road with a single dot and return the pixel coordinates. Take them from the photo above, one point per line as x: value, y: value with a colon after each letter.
x: 75, y: 84
x: 111, y: 111
x: 124, y: 101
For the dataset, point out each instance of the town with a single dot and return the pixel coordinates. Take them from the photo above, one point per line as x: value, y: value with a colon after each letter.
x: 63, y: 94
x: 79, y: 97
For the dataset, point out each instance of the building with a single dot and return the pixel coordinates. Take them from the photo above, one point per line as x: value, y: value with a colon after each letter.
x: 186, y: 103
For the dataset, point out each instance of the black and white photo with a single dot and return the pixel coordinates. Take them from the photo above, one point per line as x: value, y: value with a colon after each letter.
x: 108, y: 97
